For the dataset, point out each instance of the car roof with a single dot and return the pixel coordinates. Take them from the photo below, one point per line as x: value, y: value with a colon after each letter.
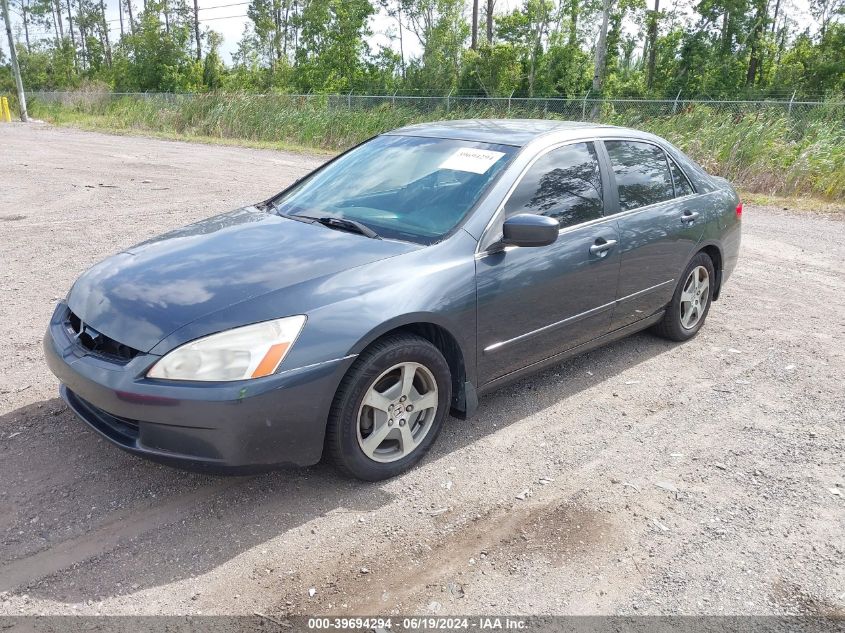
x: 517, y: 132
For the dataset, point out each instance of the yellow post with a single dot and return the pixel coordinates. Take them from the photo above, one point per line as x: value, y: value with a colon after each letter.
x: 7, y: 114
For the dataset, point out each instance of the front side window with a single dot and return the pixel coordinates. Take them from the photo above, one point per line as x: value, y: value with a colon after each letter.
x: 402, y: 187
x: 642, y: 173
x: 564, y: 184
x: 682, y: 184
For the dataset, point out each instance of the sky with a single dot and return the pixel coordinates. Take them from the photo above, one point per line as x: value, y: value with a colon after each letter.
x: 228, y: 17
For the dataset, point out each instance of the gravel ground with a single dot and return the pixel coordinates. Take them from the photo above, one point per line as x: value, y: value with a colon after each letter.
x: 704, y: 478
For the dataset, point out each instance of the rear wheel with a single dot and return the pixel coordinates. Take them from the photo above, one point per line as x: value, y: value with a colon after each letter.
x: 389, y: 408
x: 690, y: 304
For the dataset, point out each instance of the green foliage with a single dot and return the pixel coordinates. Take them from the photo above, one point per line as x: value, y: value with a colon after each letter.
x: 495, y: 71
x: 213, y: 68
x: 155, y: 58
x: 331, y: 48
x: 818, y: 69
x: 440, y: 27
x: 48, y: 67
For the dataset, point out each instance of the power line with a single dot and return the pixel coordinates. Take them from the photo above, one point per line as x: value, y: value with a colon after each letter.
x: 223, y: 6
x: 225, y: 17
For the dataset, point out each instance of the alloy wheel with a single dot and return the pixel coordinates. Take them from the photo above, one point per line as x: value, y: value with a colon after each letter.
x: 397, y: 412
x: 694, y: 297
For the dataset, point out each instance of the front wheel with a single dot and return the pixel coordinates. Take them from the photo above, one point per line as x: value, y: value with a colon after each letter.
x: 389, y: 408
x: 691, y: 302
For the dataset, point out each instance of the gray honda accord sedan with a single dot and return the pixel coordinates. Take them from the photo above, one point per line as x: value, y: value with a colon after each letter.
x: 349, y: 314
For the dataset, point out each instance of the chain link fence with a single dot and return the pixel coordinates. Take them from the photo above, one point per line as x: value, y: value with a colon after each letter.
x: 581, y: 109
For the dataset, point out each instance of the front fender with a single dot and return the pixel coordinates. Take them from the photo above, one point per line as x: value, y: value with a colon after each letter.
x: 435, y: 286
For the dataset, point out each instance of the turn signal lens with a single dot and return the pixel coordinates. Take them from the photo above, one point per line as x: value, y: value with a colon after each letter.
x: 246, y: 352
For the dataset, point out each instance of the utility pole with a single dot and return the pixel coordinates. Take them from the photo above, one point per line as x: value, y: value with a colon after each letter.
x: 16, y: 70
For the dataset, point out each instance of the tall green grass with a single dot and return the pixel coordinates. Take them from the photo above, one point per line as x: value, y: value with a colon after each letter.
x: 769, y: 152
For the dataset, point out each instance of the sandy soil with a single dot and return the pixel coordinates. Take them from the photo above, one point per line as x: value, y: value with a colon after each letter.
x: 700, y: 478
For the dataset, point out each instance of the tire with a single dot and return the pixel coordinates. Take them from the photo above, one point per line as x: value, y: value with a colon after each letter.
x: 681, y: 323
x: 398, y: 436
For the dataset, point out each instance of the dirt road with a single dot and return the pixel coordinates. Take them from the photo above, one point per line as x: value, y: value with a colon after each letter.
x: 698, y: 478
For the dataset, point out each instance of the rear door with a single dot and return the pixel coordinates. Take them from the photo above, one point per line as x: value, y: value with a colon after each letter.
x: 659, y: 226
x: 536, y: 302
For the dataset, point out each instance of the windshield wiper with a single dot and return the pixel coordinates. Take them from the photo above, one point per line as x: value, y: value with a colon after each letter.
x: 345, y: 224
x: 290, y: 216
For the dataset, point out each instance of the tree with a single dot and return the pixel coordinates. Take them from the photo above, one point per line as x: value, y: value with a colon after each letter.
x: 815, y: 69
x: 824, y: 11
x: 651, y: 44
x: 25, y: 21
x: 131, y: 17
x: 491, y: 5
x: 394, y: 10
x: 440, y: 28
x: 601, y: 47
x: 157, y: 58
x: 212, y: 67
x: 474, y: 41
x: 496, y: 70
x: 526, y: 29
x: 755, y: 41
x: 104, y: 30
x: 332, y: 45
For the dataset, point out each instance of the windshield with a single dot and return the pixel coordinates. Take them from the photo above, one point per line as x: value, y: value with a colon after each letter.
x: 402, y: 187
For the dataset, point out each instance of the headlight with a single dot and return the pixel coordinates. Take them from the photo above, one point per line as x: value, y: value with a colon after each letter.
x: 251, y: 351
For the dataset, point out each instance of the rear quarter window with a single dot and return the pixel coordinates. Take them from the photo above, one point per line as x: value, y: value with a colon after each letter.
x: 700, y: 179
x: 682, y: 183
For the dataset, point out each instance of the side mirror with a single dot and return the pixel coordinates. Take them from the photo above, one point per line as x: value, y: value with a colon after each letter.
x: 528, y: 229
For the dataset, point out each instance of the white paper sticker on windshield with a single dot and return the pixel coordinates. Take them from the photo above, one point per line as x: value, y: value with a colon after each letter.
x: 477, y: 161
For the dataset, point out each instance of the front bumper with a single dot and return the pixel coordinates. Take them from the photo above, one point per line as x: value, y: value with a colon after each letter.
x: 280, y: 419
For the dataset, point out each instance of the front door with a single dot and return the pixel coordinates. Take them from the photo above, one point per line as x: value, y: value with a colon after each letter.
x: 536, y: 302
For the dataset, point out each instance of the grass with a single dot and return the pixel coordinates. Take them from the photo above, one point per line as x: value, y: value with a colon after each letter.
x: 810, y: 204
x: 770, y: 152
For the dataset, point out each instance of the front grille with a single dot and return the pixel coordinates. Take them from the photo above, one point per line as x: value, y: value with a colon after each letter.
x: 96, y: 342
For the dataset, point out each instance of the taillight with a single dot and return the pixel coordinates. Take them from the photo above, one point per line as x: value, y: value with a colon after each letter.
x: 739, y: 210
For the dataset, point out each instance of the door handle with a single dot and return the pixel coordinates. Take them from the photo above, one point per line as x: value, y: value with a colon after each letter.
x: 689, y: 217
x: 601, y: 247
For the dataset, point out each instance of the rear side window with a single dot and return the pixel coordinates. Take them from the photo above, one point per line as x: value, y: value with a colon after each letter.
x: 642, y: 173
x: 682, y: 184
x: 564, y: 184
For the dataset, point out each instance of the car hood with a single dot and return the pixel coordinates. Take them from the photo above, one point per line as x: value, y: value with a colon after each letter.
x: 141, y: 295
